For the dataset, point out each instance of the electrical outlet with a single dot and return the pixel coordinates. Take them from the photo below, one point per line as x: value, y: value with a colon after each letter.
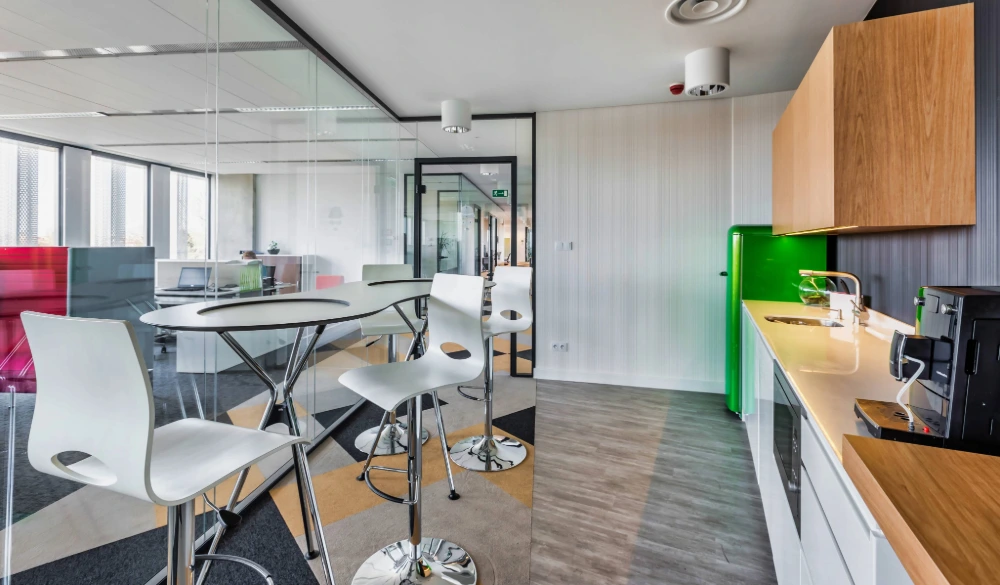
x: 560, y: 346
x: 564, y: 246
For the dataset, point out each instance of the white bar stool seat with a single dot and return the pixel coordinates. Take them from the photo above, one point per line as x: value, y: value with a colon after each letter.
x: 490, y: 452
x: 388, y: 322
x: 94, y: 396
x: 454, y: 310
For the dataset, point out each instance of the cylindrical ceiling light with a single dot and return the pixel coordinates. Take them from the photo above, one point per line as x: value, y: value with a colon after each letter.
x: 706, y: 71
x: 456, y: 116
x: 490, y: 170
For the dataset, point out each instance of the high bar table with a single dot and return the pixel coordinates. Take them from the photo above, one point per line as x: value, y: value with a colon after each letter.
x: 317, y: 309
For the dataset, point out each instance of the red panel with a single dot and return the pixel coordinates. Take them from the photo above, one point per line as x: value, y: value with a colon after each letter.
x: 31, y: 279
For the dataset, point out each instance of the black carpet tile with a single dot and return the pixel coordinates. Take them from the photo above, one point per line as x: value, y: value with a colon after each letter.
x: 463, y: 354
x: 364, y: 418
x: 264, y: 538
x: 521, y: 424
x: 130, y: 561
x: 526, y: 354
x: 329, y: 417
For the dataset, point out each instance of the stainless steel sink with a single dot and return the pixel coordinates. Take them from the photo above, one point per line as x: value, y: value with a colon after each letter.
x: 808, y: 321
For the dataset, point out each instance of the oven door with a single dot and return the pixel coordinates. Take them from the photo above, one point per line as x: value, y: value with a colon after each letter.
x: 787, y: 440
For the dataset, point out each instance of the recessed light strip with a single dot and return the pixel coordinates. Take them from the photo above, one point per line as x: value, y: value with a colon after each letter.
x: 151, y: 50
x: 194, y: 111
x: 51, y: 116
x: 821, y: 230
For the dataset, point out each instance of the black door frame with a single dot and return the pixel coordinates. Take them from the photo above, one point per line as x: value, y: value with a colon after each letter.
x: 418, y: 165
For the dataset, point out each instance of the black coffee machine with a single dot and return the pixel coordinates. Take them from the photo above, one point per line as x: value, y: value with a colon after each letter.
x: 956, y: 398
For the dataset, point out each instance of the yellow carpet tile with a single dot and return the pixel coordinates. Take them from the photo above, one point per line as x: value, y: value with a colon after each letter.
x: 340, y: 495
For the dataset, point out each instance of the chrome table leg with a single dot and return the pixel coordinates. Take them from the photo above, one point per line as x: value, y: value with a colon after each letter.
x: 307, y: 496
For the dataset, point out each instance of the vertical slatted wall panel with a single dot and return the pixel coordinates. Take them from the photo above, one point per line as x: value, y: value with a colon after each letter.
x: 644, y: 194
x: 754, y: 119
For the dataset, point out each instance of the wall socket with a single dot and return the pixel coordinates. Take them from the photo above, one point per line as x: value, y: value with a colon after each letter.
x: 560, y: 346
x: 564, y: 246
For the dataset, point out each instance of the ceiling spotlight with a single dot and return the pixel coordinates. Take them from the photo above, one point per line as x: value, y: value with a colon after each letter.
x: 706, y: 71
x: 52, y: 116
x: 456, y: 116
x: 490, y: 170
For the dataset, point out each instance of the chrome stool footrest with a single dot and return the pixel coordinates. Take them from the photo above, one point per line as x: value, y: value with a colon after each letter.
x: 469, y: 396
x: 246, y: 562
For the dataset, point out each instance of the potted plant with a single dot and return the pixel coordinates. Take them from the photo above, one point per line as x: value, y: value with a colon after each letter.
x: 272, y: 248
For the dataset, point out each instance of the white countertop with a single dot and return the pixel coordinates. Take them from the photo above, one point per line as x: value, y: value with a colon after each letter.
x: 830, y: 367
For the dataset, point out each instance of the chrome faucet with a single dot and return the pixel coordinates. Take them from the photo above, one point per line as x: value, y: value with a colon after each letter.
x: 860, y: 311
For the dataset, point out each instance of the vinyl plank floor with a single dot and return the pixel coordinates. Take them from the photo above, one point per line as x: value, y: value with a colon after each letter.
x: 636, y: 486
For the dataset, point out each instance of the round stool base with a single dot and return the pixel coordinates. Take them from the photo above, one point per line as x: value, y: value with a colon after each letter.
x: 393, y: 441
x: 441, y: 563
x: 494, y: 454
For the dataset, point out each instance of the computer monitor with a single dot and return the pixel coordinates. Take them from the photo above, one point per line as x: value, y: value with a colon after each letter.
x: 194, y: 277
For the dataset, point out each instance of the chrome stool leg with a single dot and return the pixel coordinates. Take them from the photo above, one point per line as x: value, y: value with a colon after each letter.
x: 427, y: 561
x: 488, y: 452
x: 393, y: 440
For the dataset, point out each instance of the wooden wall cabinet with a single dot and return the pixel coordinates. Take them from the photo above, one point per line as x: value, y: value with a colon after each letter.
x: 880, y: 135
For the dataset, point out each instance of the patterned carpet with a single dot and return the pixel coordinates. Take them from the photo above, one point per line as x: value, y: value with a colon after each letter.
x: 101, y: 538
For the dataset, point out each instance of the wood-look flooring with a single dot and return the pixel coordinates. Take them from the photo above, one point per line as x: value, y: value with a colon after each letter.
x: 641, y: 487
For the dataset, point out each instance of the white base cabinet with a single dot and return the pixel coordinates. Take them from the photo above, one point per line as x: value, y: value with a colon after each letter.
x: 839, y: 542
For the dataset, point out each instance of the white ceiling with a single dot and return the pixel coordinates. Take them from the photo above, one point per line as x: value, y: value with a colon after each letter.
x: 539, y: 55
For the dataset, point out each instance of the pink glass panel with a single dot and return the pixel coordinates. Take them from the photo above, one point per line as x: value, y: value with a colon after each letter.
x: 31, y: 279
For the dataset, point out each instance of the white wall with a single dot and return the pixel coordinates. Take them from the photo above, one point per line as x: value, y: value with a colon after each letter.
x: 235, y: 203
x: 754, y: 118
x: 76, y: 197
x: 646, y: 194
x: 159, y: 212
x: 332, y: 213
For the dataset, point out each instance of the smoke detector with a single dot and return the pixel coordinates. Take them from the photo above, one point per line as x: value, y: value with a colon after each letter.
x: 691, y: 12
x: 706, y: 71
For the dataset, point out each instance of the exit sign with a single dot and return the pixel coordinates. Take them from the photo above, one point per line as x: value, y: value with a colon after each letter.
x: 501, y: 193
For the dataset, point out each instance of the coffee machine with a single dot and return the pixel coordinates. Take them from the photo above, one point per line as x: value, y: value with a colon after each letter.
x: 956, y: 397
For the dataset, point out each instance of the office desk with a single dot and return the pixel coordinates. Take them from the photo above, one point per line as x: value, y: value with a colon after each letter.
x: 302, y: 310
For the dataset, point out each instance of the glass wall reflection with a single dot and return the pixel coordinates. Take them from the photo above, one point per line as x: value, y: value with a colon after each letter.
x: 244, y: 170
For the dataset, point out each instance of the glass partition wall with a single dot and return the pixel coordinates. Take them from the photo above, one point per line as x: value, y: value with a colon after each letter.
x: 219, y: 149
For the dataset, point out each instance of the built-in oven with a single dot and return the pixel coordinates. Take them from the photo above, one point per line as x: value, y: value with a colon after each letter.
x: 788, y: 441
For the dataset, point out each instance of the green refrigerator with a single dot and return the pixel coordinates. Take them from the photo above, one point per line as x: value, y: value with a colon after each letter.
x: 761, y: 267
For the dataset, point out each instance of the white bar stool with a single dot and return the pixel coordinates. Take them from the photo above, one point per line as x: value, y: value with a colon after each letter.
x: 388, y: 322
x: 489, y: 452
x: 455, y: 310
x: 94, y: 397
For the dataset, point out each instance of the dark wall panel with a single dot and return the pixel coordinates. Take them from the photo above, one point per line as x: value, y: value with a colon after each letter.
x: 893, y: 265
x: 884, y: 8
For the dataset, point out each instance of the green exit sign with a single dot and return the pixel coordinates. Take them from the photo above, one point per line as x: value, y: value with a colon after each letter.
x: 501, y: 193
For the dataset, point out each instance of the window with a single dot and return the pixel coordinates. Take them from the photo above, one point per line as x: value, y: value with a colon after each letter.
x: 29, y: 194
x: 188, y: 216
x: 118, y: 194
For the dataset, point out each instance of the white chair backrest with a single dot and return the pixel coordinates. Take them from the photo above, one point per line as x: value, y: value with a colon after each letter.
x: 512, y: 293
x: 376, y: 272
x: 93, y: 396
x: 455, y: 315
